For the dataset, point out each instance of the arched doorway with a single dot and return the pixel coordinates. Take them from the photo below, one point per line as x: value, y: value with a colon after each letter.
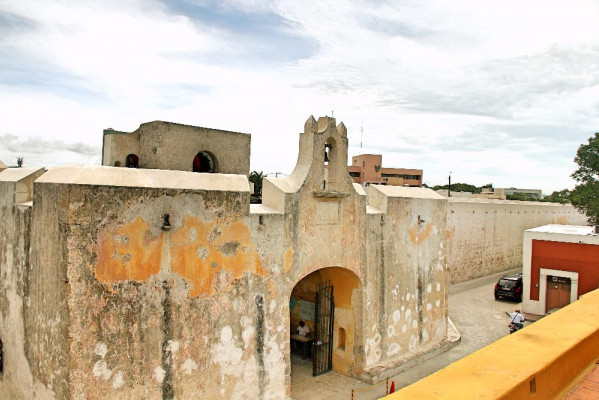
x: 132, y: 161
x: 342, y: 337
x: 205, y: 162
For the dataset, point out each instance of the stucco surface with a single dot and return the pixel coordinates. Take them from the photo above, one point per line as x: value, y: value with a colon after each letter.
x: 485, y: 236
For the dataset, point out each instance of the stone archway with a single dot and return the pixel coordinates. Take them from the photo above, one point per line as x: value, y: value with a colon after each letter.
x: 347, y: 321
x: 204, y: 162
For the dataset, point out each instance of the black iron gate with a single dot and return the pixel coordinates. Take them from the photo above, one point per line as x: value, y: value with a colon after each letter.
x: 323, y: 329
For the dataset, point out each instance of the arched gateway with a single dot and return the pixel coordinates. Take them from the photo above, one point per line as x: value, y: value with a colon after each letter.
x: 329, y: 302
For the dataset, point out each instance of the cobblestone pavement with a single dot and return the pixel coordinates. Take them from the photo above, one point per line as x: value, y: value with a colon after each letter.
x: 479, y: 318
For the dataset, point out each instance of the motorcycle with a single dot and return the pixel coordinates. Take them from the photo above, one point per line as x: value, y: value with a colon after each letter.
x: 513, y: 328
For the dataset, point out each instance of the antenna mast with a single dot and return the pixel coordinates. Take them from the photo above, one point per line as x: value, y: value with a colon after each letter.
x: 361, y: 136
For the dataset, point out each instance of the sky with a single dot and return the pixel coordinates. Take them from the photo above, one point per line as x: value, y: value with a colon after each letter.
x: 499, y: 92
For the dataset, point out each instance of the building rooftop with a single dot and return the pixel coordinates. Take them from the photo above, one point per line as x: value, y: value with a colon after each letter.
x: 563, y: 229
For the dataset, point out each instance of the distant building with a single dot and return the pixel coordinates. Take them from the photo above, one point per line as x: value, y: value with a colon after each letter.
x: 560, y: 264
x: 367, y: 169
x: 495, y: 193
x: 535, y: 193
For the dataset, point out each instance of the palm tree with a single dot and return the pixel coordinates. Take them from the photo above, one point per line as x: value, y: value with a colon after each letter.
x: 256, y: 178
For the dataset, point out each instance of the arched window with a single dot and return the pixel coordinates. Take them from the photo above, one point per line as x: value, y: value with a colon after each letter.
x: 204, y: 162
x: 132, y: 161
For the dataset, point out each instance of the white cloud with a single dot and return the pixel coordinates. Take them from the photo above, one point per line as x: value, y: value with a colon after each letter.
x: 463, y: 86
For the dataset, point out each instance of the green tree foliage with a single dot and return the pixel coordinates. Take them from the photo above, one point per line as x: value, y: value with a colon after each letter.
x: 561, y: 196
x: 459, y: 187
x: 256, y: 178
x: 521, y: 197
x: 585, y: 196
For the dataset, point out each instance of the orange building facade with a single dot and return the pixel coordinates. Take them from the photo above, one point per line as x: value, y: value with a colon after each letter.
x: 367, y: 169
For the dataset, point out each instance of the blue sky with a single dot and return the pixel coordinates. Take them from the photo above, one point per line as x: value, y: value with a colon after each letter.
x: 495, y: 92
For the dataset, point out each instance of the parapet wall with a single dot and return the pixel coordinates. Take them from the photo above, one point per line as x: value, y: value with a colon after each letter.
x: 485, y: 236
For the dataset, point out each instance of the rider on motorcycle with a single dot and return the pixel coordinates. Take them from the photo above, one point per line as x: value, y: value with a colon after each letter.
x: 517, y: 319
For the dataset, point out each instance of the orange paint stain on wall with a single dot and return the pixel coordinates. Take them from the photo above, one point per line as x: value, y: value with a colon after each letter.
x: 199, y: 250
x: 288, y: 259
x: 418, y: 237
x: 128, y: 253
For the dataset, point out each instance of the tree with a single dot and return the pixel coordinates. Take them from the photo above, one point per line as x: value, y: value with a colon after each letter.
x: 562, y: 197
x: 521, y: 197
x: 19, y: 162
x: 459, y: 187
x: 585, y: 196
x: 256, y: 178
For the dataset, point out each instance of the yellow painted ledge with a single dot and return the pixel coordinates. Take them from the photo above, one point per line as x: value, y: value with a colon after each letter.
x: 538, y: 362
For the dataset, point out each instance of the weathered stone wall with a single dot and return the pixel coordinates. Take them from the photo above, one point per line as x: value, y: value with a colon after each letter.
x: 165, y: 145
x: 171, y: 146
x: 412, y: 307
x: 156, y: 314
x: 117, y: 146
x: 17, y: 380
x: 485, y: 236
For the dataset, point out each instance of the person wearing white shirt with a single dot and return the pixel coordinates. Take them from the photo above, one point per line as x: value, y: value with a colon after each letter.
x: 517, y: 319
x: 303, y: 329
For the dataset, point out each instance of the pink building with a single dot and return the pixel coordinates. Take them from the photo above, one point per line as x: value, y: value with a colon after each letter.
x: 367, y: 169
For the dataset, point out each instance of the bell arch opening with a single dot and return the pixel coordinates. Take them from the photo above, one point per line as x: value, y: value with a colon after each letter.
x: 331, y: 169
x: 204, y: 162
x: 331, y: 344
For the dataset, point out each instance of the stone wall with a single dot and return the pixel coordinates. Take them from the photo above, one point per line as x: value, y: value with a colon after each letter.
x: 151, y: 313
x: 17, y: 380
x: 409, y: 270
x: 171, y: 146
x: 485, y: 236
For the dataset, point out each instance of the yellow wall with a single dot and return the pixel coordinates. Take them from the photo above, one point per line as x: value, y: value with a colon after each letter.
x: 547, y: 358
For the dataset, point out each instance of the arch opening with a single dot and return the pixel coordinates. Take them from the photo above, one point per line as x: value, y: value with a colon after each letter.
x: 132, y: 161
x: 344, y: 336
x: 204, y: 162
x: 331, y: 169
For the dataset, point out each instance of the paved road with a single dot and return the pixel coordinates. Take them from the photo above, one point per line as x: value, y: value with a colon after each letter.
x: 478, y: 317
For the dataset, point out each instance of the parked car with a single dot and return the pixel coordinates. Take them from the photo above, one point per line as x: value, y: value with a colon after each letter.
x: 509, y: 286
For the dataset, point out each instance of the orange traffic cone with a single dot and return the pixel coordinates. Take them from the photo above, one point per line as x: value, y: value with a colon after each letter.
x: 392, y: 389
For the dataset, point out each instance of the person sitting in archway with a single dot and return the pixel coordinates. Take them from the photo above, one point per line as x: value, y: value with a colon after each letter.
x: 303, y: 329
